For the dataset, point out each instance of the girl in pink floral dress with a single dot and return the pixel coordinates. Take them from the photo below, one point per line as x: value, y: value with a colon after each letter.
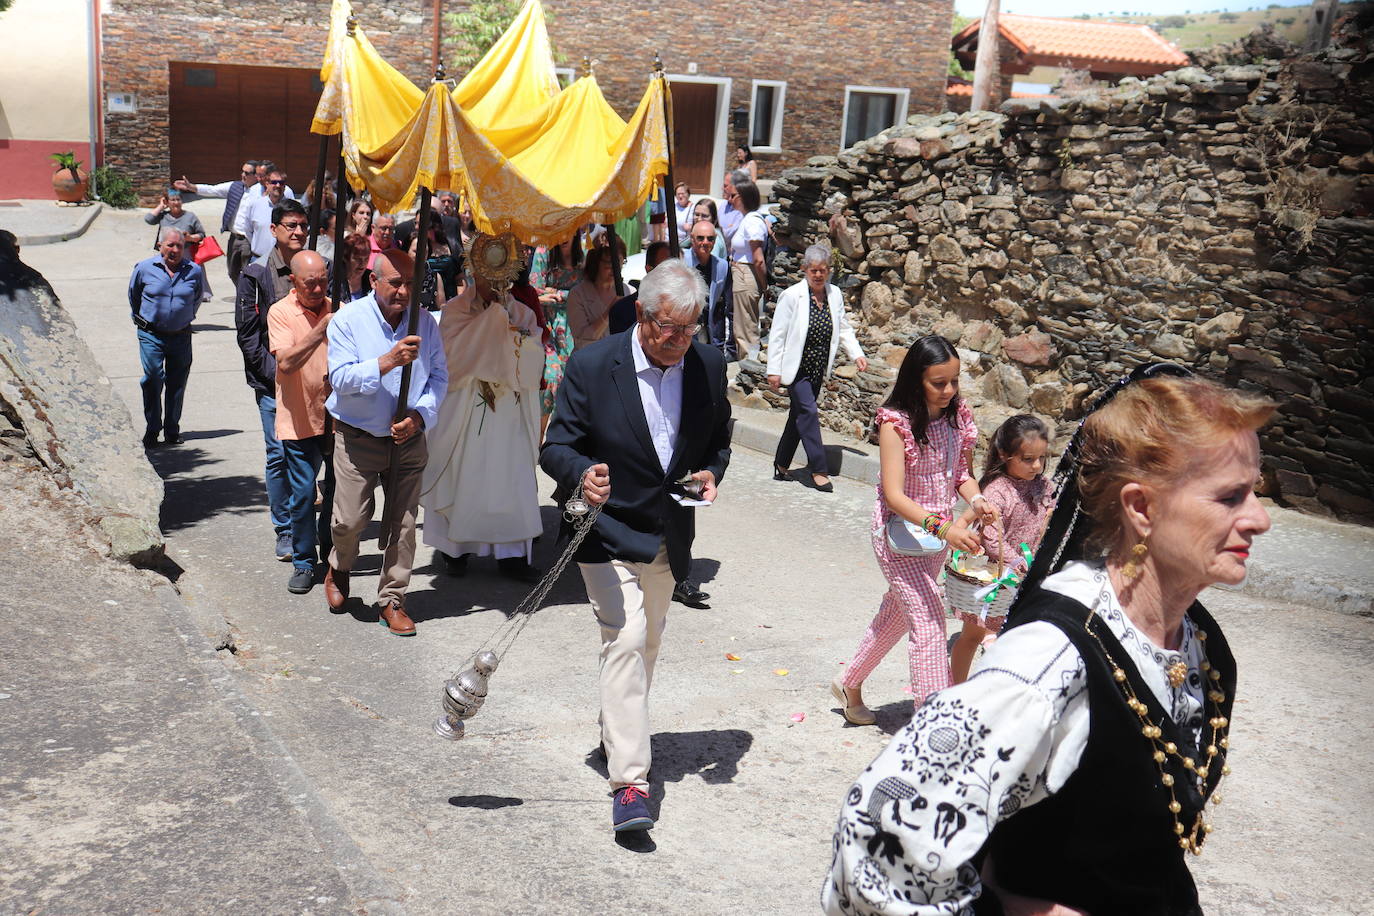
x: 925, y: 439
x: 1014, y: 482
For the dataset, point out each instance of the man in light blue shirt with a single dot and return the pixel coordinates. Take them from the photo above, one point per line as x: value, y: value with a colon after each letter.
x: 165, y: 292
x: 368, y: 348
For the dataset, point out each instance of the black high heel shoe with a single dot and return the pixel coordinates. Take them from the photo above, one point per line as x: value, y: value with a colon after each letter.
x: 781, y: 474
x: 827, y: 487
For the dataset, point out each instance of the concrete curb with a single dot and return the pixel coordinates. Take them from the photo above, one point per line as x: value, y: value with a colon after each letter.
x: 50, y: 238
x: 1273, y: 584
x: 372, y: 893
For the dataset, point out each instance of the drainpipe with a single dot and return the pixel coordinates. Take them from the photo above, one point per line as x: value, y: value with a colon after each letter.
x: 94, y: 85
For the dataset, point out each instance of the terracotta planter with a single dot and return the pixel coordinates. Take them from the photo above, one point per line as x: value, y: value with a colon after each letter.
x: 70, y: 185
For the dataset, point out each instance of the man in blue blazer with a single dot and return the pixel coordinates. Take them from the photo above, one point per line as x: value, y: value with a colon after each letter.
x: 720, y: 300
x: 636, y: 414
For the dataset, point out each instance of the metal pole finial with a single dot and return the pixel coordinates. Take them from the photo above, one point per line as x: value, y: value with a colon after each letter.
x: 658, y: 65
x: 352, y: 25
x: 586, y: 65
x: 439, y: 73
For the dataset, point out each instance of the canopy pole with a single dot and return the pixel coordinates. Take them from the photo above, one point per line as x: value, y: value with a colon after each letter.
x: 391, y: 517
x: 674, y: 245
x: 341, y: 259
x: 317, y: 202
x: 613, y: 243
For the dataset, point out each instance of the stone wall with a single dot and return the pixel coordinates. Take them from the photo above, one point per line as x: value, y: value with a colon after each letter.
x: 1222, y: 219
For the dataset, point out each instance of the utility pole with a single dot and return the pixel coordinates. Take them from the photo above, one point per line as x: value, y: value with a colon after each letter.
x: 987, y: 69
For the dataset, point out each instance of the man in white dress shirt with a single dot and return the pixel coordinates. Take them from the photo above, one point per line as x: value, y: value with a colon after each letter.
x: 637, y: 413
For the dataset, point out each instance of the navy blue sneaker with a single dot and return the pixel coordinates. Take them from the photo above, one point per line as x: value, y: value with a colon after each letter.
x: 284, y: 547
x: 629, y: 810
x: 301, y: 581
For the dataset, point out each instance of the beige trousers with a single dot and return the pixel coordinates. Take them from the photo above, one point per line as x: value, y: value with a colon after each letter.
x: 361, y: 462
x: 631, y: 605
x: 746, y: 303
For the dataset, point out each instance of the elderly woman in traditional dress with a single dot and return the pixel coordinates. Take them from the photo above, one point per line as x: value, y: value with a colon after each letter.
x: 808, y: 326
x: 1069, y: 774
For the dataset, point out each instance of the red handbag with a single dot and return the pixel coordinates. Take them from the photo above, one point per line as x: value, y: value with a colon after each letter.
x: 208, y: 250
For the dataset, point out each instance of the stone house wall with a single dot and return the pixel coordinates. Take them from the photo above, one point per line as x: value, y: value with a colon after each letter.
x: 139, y: 37
x: 817, y: 48
x: 1222, y: 219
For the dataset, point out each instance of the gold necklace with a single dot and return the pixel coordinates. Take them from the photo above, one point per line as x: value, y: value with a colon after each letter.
x: 1188, y: 839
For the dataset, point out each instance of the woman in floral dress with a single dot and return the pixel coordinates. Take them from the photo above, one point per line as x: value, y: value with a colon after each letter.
x: 553, y: 272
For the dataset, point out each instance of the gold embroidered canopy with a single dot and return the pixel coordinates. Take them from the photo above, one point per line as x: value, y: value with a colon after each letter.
x: 531, y: 159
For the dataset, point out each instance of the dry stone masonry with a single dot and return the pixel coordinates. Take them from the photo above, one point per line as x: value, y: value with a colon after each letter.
x: 1220, y: 218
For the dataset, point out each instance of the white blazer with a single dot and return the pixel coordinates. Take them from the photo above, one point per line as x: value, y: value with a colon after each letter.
x: 787, y: 336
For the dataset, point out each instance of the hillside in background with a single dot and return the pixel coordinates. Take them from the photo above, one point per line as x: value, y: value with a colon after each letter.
x: 1200, y: 29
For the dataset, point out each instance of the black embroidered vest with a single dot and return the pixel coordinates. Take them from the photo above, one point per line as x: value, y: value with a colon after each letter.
x: 1105, y: 842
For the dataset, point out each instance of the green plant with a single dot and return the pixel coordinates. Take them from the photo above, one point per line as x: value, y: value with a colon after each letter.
x: 67, y: 161
x: 956, y: 69
x: 113, y: 187
x: 1065, y: 154
x: 474, y: 31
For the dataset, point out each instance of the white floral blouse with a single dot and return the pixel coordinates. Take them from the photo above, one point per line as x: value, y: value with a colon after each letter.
x: 978, y: 752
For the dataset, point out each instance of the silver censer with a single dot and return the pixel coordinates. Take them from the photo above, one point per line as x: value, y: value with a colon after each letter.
x: 464, y: 695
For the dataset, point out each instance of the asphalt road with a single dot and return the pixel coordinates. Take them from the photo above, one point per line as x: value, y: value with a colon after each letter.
x: 515, y: 818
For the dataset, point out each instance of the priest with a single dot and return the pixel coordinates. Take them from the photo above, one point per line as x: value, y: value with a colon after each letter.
x: 479, y: 492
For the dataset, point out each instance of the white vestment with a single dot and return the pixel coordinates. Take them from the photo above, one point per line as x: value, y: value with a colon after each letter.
x: 478, y: 491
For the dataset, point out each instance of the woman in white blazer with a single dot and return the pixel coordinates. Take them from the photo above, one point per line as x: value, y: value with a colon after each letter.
x: 809, y: 323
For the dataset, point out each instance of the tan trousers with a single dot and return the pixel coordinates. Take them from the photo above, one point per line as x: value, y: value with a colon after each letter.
x: 361, y: 462
x: 746, y: 287
x: 631, y: 604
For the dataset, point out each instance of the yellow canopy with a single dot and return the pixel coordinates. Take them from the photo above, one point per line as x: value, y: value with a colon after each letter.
x: 515, y: 77
x: 539, y: 172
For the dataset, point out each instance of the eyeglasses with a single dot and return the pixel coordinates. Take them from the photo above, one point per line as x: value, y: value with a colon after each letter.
x: 276, y: 181
x: 294, y: 227
x: 703, y: 238
x: 250, y: 171
x: 668, y: 329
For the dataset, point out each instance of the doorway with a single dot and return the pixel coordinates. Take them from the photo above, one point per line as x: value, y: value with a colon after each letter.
x: 221, y: 115
x: 699, y: 134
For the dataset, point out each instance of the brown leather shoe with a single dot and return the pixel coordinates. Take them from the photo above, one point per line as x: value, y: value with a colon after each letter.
x: 395, y: 619
x: 336, y: 588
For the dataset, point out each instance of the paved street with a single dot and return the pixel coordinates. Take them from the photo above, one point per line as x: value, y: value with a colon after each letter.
x: 515, y: 818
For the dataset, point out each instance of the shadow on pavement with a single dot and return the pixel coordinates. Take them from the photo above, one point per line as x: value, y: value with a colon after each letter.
x: 190, y: 496
x: 485, y: 802
x: 704, y: 570
x: 714, y: 755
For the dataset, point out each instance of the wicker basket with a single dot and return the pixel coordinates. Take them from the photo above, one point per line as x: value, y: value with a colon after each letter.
x: 961, y: 592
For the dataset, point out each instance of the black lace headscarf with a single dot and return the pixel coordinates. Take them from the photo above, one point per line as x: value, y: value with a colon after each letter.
x: 1070, y: 530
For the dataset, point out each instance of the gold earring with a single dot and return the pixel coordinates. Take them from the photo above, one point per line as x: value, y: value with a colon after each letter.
x: 1132, y: 567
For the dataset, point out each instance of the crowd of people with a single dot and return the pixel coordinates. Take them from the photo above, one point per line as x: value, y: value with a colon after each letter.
x: 998, y: 789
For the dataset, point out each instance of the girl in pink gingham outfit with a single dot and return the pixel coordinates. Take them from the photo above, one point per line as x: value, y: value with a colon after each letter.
x: 1015, y: 483
x: 926, y: 436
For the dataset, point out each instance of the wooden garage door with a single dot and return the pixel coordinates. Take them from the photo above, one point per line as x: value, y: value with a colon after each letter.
x: 694, y: 132
x: 223, y: 114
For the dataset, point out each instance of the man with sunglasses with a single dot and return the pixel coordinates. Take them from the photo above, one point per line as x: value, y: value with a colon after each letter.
x: 718, y: 325
x: 263, y: 282
x: 260, y: 238
x: 236, y: 200
x: 641, y: 428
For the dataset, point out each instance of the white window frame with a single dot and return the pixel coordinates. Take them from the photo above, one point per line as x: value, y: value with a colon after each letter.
x: 774, y: 129
x: 569, y: 72
x: 899, y: 112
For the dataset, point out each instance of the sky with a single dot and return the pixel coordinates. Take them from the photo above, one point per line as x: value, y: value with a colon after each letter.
x: 975, y: 8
